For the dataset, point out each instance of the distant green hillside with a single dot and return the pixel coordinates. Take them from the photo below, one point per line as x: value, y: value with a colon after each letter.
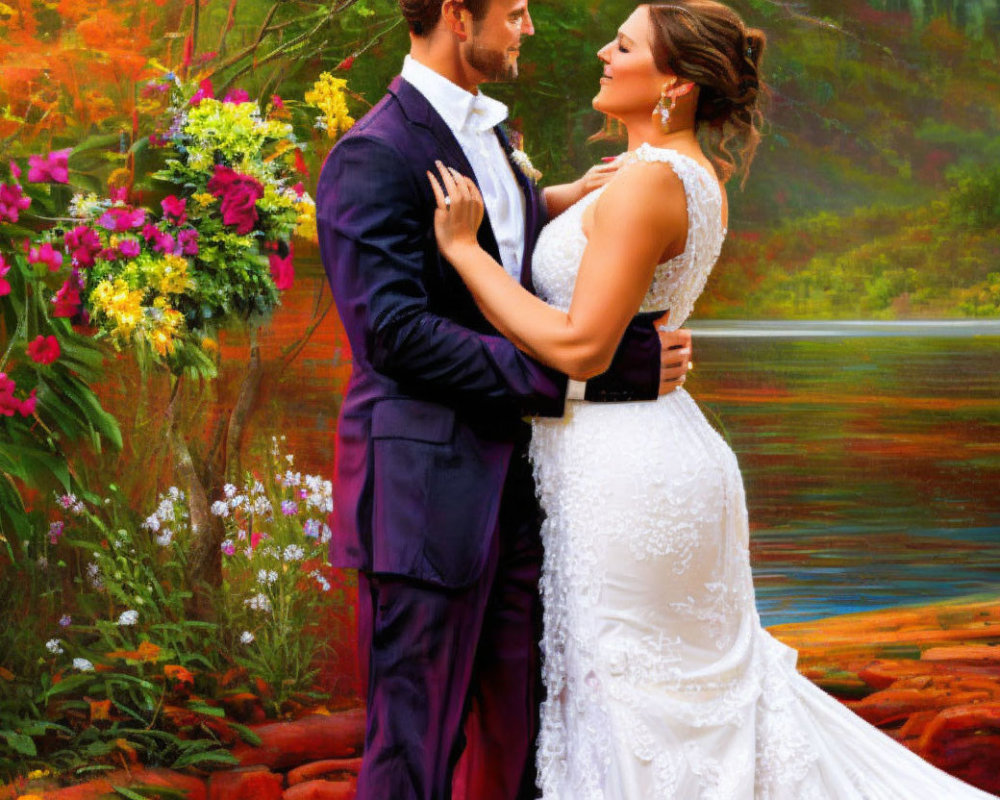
x: 875, y: 192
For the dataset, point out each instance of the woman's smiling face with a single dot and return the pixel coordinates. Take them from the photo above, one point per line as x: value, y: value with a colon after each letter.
x: 631, y: 83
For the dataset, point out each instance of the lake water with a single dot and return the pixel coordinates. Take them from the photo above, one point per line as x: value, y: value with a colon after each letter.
x: 870, y: 451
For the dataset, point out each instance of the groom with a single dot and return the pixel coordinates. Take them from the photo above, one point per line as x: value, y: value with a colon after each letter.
x: 434, y: 499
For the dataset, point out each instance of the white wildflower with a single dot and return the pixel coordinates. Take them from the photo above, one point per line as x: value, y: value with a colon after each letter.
x: 43, y: 563
x: 165, y: 511
x: 267, y: 577
x: 165, y: 538
x: 311, y: 528
x: 83, y: 665
x: 246, y: 637
x: 229, y: 490
x: 129, y: 617
x: 54, y: 646
x: 220, y: 508
x: 175, y: 494
x: 152, y: 523
x: 258, y: 602
x: 325, y: 534
x: 294, y: 553
x: 94, y: 575
x: 262, y: 507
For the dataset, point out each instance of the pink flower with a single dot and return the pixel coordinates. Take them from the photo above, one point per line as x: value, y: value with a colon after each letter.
x: 163, y: 242
x: 44, y: 349
x: 277, y: 102
x: 299, y: 189
x: 8, y: 403
x: 237, y: 96
x: 15, y: 170
x: 174, y: 209
x: 119, y: 195
x: 83, y: 244
x: 239, y: 194
x: 121, y: 219
x: 13, y: 201
x: 46, y: 254
x: 53, y: 168
x: 4, y: 269
x: 187, y: 241
x: 228, y: 547
x: 67, y: 299
x: 205, y: 92
x: 282, y: 271
x: 129, y: 248
x: 55, y: 531
x: 27, y: 406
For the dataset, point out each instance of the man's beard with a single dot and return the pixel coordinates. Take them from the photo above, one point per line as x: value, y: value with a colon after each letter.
x: 496, y: 65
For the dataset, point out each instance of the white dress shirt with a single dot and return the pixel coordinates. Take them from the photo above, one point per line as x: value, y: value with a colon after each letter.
x: 472, y: 117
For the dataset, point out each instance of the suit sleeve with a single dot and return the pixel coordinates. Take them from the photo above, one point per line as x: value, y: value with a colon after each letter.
x: 374, y: 228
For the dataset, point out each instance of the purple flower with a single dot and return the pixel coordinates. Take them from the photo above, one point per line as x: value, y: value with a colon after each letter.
x: 121, y: 219
x: 163, y: 242
x: 129, y: 248
x: 55, y: 531
x: 289, y: 507
x: 228, y: 547
x: 187, y: 241
x: 65, y: 621
x: 52, y: 168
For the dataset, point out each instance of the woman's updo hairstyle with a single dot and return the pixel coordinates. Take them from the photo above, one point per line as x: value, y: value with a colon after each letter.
x: 707, y: 43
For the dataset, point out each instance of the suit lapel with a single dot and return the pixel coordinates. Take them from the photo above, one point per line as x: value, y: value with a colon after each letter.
x: 531, y: 209
x: 421, y: 113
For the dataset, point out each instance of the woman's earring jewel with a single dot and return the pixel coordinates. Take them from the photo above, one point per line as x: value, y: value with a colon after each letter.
x: 664, y: 109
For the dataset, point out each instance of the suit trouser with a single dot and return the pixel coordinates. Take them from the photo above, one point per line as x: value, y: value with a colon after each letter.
x: 454, y: 672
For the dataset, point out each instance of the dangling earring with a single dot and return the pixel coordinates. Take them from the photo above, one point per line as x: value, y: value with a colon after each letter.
x: 663, y: 109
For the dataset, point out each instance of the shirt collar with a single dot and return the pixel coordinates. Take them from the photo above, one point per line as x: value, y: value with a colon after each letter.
x: 461, y: 110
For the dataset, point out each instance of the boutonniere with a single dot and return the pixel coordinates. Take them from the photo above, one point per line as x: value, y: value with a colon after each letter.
x: 520, y: 160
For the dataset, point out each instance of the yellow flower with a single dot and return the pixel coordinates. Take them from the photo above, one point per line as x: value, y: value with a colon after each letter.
x: 120, y: 304
x: 209, y: 345
x: 165, y: 328
x: 305, y: 221
x: 170, y: 275
x: 119, y: 178
x: 203, y: 199
x: 38, y: 773
x: 327, y: 95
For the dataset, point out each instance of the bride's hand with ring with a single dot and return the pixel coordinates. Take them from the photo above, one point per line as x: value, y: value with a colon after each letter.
x: 459, y: 212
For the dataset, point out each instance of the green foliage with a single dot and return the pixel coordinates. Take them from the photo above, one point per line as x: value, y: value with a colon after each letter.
x: 975, y: 198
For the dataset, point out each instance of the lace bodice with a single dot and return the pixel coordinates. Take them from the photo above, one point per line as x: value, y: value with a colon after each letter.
x: 678, y: 282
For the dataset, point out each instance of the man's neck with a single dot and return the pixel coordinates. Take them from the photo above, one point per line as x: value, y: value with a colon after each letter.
x: 442, y: 55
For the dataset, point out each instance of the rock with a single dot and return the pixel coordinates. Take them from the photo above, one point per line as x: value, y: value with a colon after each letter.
x: 285, y: 745
x: 322, y: 790
x: 244, y: 783
x: 320, y: 769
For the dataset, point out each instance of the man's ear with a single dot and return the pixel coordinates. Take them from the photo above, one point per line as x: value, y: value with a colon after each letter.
x: 457, y: 18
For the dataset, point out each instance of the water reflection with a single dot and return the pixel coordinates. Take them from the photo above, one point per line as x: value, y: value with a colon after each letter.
x: 871, y: 454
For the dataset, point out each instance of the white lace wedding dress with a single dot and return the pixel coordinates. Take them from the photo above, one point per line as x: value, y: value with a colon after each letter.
x: 661, y: 682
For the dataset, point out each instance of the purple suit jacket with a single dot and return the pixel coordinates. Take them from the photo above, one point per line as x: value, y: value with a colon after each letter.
x: 433, y: 410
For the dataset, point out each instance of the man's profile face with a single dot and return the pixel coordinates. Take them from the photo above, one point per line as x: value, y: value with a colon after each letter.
x: 495, y: 41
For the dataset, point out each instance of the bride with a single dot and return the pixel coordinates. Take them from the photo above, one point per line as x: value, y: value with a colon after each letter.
x: 660, y: 680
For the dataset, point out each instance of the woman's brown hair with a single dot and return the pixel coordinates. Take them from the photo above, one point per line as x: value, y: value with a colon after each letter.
x: 708, y: 44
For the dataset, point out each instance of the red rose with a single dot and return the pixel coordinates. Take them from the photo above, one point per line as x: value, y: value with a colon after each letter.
x: 44, y: 350
x: 239, y: 195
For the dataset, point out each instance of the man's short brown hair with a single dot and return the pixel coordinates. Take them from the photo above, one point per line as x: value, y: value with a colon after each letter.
x: 423, y: 15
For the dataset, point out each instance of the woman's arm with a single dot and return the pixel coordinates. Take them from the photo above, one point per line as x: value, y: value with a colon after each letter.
x: 640, y: 217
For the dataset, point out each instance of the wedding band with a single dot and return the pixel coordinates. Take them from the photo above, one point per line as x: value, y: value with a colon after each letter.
x: 447, y: 204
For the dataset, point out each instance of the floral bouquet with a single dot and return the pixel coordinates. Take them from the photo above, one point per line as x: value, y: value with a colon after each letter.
x: 218, y: 248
